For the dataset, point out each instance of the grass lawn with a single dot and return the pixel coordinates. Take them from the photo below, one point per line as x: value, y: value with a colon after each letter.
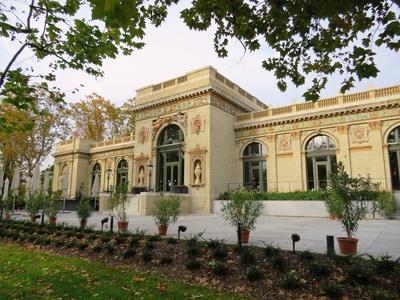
x: 26, y: 273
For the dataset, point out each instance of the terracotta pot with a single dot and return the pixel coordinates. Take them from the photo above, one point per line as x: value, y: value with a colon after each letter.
x: 83, y: 223
x: 53, y: 220
x: 332, y: 217
x: 244, y: 236
x: 162, y: 230
x: 122, y: 226
x: 347, y: 246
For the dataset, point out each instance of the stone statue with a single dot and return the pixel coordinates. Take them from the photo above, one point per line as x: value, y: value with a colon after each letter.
x: 141, y: 177
x: 197, y: 174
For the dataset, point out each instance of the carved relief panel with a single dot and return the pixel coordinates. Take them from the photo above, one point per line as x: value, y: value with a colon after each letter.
x: 359, y: 134
x: 197, y: 166
x: 143, y: 135
x: 284, y: 142
x: 198, y: 124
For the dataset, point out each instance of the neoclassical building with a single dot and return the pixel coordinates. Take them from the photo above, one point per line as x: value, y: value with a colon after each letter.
x: 201, y: 134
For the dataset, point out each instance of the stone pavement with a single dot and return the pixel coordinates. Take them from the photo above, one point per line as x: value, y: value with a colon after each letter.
x: 376, y: 237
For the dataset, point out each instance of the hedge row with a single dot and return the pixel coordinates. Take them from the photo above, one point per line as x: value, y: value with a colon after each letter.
x: 306, y: 195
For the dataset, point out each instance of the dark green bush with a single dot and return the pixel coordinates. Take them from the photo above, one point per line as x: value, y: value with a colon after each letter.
x: 134, y: 242
x: 97, y: 248
x: 147, y: 255
x: 278, y: 262
x: 119, y: 239
x: 290, y: 281
x: 303, y: 195
x: 153, y: 238
x: 166, y: 260
x: 247, y: 256
x: 384, y: 264
x: 253, y: 274
x: 83, y: 246
x: 193, y: 250
x: 220, y: 253
x: 319, y: 269
x: 149, y: 245
x: 306, y: 255
x: 360, y: 273
x: 71, y: 244
x: 130, y: 252
x: 332, y: 290
x: 193, y: 264
x: 172, y: 241
x: 214, y: 243
x: 92, y: 237
x: 105, y: 238
x: 109, y: 248
x: 270, y: 250
x: 218, y: 268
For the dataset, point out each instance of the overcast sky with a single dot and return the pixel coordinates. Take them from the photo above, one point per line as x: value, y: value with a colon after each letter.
x: 173, y: 50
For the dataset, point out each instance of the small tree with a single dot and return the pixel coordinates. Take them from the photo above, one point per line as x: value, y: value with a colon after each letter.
x: 242, y: 210
x: 84, y: 210
x: 351, y: 196
x: 52, y: 204
x: 33, y: 204
x: 118, y: 201
x: 166, y: 210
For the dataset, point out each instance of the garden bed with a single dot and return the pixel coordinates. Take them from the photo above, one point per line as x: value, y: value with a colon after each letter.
x: 252, y: 271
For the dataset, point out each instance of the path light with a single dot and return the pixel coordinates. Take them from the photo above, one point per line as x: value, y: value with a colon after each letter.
x: 295, y: 239
x: 104, y: 221
x: 150, y: 171
x: 181, y: 228
x: 330, y: 245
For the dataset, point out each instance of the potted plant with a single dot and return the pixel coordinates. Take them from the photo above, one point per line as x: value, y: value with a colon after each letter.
x: 52, y: 206
x: 166, y: 212
x: 33, y: 204
x: 242, y: 211
x: 117, y: 202
x: 351, y: 196
x: 84, y: 211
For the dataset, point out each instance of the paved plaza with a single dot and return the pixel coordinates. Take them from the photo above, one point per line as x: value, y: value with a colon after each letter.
x: 376, y: 237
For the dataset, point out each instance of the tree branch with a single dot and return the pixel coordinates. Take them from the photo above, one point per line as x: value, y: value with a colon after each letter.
x: 28, y: 20
x: 4, y: 73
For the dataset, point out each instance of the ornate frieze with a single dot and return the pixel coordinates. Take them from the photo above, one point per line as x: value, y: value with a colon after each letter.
x: 180, y: 118
x: 376, y: 125
x: 329, y: 121
x: 170, y: 108
x: 198, y: 124
x: 225, y: 106
x: 359, y: 134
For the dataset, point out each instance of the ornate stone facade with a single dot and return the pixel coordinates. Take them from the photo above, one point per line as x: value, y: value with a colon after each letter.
x: 217, y: 121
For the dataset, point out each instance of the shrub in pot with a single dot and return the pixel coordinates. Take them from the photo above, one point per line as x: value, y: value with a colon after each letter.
x: 51, y: 206
x: 166, y: 212
x: 242, y: 211
x: 33, y: 204
x: 117, y: 203
x: 84, y: 211
x: 351, y: 196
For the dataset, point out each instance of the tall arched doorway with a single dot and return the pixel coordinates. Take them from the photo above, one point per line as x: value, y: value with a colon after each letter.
x: 170, y: 159
x: 320, y: 161
x: 254, y: 167
x: 122, y: 173
x: 394, y: 157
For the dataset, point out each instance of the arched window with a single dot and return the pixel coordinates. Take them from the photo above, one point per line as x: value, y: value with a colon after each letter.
x: 122, y: 172
x: 170, y: 159
x: 96, y: 170
x: 254, y: 167
x: 394, y: 157
x: 320, y: 161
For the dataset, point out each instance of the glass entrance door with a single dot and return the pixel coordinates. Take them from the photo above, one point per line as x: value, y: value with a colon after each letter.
x: 394, y: 160
x: 172, y: 176
x: 322, y: 173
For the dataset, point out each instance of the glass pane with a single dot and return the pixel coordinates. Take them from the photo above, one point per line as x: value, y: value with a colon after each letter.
x: 175, y: 175
x: 169, y: 178
x: 254, y: 149
x: 310, y: 173
x: 171, y: 135
x: 322, y: 174
x: 172, y: 156
x: 394, y: 136
x: 394, y: 169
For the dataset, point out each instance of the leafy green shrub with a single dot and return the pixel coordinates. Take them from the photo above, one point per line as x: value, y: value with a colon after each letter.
x: 119, y: 238
x: 92, y: 237
x: 134, y: 242
x: 59, y: 242
x: 130, y: 252
x: 290, y: 281
x: 83, y: 246
x: 109, y: 248
x: 193, y: 264
x: 278, y: 262
x: 214, y: 243
x: 149, y: 245
x: 359, y: 273
x: 291, y: 196
x: 97, y: 248
x: 332, y: 290
x: 71, y: 244
x: 166, y: 210
x: 172, y: 241
x: 270, y: 250
x: 153, y: 238
x: 218, y: 267
x: 247, y: 256
x: 319, y: 269
x: 386, y: 203
x: 220, y: 253
x: 253, y: 274
x: 105, y: 238
x: 166, y: 260
x: 147, y: 255
x: 84, y: 209
x: 306, y: 255
x: 79, y: 235
x: 193, y: 250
